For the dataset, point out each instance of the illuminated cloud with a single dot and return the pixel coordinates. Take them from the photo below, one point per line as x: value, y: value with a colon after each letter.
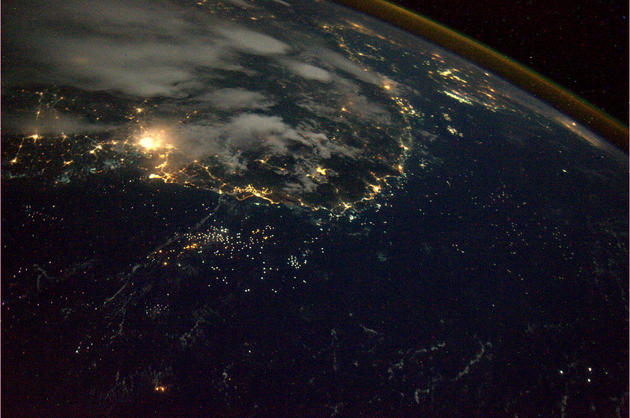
x: 252, y: 42
x: 361, y: 107
x: 308, y: 71
x: 233, y: 141
x: 342, y: 63
x: 255, y: 131
x: 136, y: 48
x: 240, y: 3
x: 50, y: 123
x: 235, y: 98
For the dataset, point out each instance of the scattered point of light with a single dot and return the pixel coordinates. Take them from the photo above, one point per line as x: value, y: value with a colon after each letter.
x: 375, y: 188
x: 321, y: 171
x: 154, y: 176
x: 139, y: 110
x: 343, y: 109
x: 160, y: 388
x: 387, y: 86
x: 35, y: 137
x: 13, y: 161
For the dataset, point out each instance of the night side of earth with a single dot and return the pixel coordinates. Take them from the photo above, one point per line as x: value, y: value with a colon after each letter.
x: 290, y: 208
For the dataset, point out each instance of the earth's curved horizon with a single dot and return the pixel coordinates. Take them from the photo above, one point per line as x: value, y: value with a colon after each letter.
x: 273, y: 207
x: 567, y: 102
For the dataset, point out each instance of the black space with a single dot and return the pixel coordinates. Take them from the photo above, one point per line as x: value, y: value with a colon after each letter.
x: 581, y: 45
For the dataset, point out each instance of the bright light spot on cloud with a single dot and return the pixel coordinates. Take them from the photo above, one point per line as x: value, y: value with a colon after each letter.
x: 152, y: 140
x: 149, y: 143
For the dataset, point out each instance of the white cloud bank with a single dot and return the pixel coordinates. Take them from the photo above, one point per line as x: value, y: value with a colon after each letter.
x: 308, y: 71
x: 137, y: 48
x: 235, y: 99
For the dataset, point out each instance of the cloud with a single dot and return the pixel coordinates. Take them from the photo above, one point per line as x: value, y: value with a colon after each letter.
x: 240, y: 3
x: 145, y: 68
x: 366, y: 110
x: 323, y: 148
x: 136, y: 48
x: 50, y: 123
x: 345, y: 98
x: 233, y: 140
x: 252, y: 42
x: 141, y: 49
x: 235, y: 98
x: 254, y: 131
x: 244, y: 132
x: 308, y: 71
x: 344, y: 64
